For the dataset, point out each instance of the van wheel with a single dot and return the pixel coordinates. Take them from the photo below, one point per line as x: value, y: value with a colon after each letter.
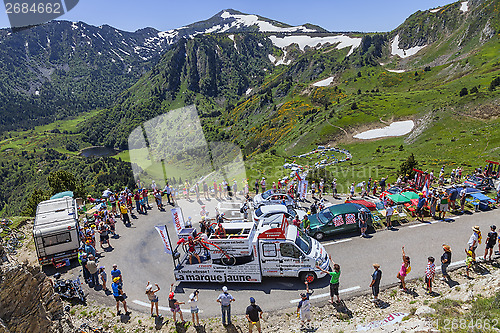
x: 319, y: 235
x: 310, y: 277
x: 229, y: 260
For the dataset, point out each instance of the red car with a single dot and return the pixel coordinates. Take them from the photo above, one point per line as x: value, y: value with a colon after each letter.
x: 368, y: 204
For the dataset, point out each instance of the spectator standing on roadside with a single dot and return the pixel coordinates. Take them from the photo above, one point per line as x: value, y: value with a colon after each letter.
x: 85, y: 271
x: 491, y: 240
x: 225, y: 300
x: 168, y: 192
x: 253, y: 314
x: 405, y: 269
x: 124, y: 211
x: 334, y: 280
x: 205, y: 190
x: 116, y: 273
x: 104, y: 277
x: 193, y: 300
x: 433, y: 199
x: 118, y: 295
x: 474, y: 241
x: 93, y: 270
x: 104, y: 234
x: 334, y: 187
x: 263, y: 184
x: 89, y: 249
x: 152, y: 297
x: 351, y: 190
x: 304, y: 308
x: 445, y: 262
x: 469, y: 260
x: 306, y: 224
x: 430, y: 272
x: 443, y: 204
x: 420, y: 207
x: 256, y: 186
x: 382, y: 184
x: 137, y: 199
x: 174, y: 304
x: 389, y: 210
x: 375, y: 284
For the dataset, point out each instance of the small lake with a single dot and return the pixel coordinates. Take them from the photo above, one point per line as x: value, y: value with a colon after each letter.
x: 98, y: 152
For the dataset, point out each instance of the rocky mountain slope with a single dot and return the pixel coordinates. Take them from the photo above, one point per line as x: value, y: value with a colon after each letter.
x: 28, y: 302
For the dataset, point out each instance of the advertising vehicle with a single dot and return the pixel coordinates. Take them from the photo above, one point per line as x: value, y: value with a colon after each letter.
x: 250, y: 252
x: 56, y: 230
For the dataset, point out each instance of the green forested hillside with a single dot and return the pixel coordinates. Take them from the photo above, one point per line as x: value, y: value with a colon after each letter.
x: 450, y: 88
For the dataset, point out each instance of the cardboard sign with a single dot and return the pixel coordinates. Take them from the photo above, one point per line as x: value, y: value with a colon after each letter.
x: 178, y: 219
x: 392, y: 318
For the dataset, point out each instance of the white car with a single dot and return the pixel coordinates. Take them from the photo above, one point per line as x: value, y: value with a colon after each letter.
x: 271, y: 197
x: 269, y: 214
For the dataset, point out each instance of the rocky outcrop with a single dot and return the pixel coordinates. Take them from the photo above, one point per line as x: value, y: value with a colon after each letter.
x: 28, y: 302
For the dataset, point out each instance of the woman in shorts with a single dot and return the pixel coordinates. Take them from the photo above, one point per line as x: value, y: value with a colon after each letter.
x: 152, y: 297
x: 175, y: 305
x: 405, y: 269
x: 193, y: 300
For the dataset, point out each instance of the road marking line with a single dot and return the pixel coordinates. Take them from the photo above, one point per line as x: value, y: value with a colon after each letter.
x: 148, y: 305
x: 337, y: 242
x: 421, y: 224
x: 326, y: 294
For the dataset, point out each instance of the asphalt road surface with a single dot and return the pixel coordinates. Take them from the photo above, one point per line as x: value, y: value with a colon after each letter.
x: 140, y: 256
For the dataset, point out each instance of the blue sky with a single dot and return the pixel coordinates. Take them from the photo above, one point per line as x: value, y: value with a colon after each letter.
x: 333, y: 15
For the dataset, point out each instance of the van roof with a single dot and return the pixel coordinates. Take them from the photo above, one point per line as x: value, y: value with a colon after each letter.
x: 55, y: 212
x: 54, y: 205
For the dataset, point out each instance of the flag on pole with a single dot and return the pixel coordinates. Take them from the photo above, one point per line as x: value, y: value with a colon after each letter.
x: 298, y: 176
x: 162, y: 230
x: 425, y: 190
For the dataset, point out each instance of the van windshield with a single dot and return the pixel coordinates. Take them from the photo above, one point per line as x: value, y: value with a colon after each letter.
x: 303, y: 242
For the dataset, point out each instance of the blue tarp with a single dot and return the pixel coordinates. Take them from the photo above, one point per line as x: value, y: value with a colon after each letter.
x: 481, y: 197
x: 62, y: 195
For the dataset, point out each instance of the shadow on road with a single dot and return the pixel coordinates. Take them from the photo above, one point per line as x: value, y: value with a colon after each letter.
x: 159, y: 322
x: 343, y: 311
x: 233, y: 329
x: 200, y: 329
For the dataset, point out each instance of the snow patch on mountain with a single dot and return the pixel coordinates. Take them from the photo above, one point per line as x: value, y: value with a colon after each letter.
x: 435, y: 10
x: 395, y: 70
x: 342, y: 41
x: 264, y: 26
x: 272, y: 58
x: 464, y: 6
x: 324, y: 83
x: 395, y: 50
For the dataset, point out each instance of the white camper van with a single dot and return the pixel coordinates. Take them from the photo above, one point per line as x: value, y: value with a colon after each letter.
x: 249, y: 253
x: 56, y: 230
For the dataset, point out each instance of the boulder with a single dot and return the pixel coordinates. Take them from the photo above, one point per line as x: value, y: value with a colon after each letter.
x: 424, y: 310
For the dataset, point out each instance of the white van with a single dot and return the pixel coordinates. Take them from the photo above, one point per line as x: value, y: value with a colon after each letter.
x: 249, y: 253
x: 56, y: 230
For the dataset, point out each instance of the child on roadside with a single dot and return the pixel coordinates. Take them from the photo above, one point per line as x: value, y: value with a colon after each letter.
x: 104, y: 277
x: 468, y: 262
x: 430, y: 272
